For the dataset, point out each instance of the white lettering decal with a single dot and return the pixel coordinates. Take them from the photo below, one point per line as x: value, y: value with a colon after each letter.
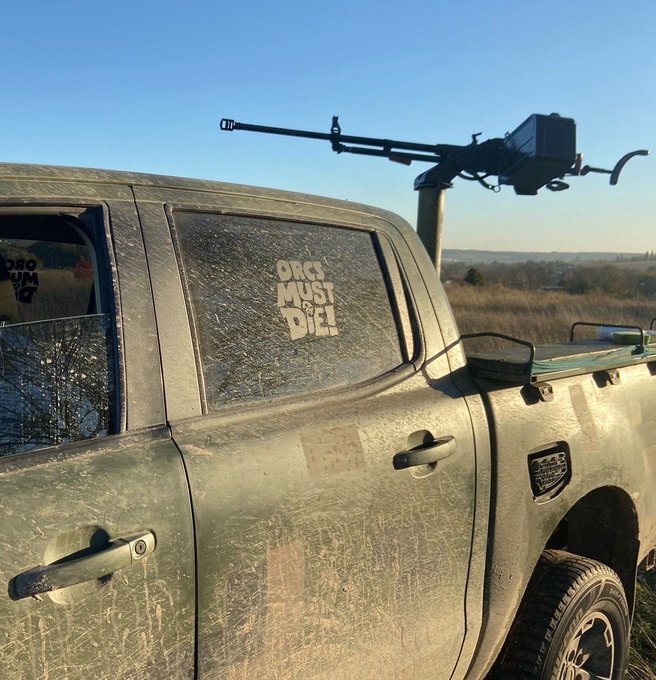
x: 304, y: 305
x: 329, y: 290
x: 284, y: 270
x: 288, y: 292
x: 298, y: 325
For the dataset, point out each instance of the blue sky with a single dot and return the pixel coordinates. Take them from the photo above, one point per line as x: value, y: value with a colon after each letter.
x: 142, y: 85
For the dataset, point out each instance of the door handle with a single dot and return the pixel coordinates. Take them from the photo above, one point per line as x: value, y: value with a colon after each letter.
x: 119, y: 554
x: 427, y: 454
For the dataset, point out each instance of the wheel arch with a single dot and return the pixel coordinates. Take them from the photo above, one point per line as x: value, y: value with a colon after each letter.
x: 603, y: 525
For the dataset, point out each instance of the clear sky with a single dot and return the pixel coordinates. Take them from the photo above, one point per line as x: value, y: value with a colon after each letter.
x: 141, y: 85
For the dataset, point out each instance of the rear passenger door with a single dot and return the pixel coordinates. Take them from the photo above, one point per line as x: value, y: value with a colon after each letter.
x: 314, y: 359
x: 97, y: 540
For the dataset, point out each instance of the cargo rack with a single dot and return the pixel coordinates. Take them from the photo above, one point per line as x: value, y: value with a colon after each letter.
x: 525, y: 363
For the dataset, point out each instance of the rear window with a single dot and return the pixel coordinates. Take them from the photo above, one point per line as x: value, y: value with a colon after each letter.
x: 282, y: 308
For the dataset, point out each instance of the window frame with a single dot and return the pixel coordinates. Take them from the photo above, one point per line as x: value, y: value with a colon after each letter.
x: 92, y: 221
x: 399, y: 295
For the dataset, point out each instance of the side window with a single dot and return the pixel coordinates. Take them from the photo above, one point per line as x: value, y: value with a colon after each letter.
x: 281, y: 308
x: 56, y: 353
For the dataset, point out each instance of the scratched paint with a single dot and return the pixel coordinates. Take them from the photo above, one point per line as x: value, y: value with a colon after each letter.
x: 584, y: 416
x: 317, y: 558
x: 138, y: 623
x: 285, y: 587
x: 610, y: 431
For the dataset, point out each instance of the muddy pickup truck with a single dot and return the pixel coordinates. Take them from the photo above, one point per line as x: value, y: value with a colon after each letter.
x: 241, y: 438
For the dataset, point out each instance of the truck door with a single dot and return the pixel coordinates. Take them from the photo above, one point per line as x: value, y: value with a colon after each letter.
x: 332, y: 468
x: 96, y: 532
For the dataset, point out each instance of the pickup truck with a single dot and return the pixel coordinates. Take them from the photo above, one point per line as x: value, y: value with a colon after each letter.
x: 241, y: 438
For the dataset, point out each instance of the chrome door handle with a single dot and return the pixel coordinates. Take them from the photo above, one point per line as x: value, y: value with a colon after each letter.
x: 119, y: 554
x: 426, y: 454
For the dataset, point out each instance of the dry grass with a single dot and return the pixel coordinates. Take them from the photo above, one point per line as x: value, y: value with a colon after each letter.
x: 545, y: 317
x: 541, y: 317
x: 643, y: 653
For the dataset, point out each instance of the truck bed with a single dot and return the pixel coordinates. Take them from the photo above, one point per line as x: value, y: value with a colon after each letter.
x: 512, y: 364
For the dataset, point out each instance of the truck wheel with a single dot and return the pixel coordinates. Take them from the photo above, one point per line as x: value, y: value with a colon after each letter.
x: 573, y: 624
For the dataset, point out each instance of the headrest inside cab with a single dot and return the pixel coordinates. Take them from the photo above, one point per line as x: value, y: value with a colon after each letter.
x: 7, y: 301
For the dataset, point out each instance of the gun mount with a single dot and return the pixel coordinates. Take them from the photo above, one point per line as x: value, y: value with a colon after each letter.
x: 539, y: 153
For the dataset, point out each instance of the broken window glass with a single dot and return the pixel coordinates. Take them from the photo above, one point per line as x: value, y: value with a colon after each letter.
x: 56, y: 382
x: 57, y: 372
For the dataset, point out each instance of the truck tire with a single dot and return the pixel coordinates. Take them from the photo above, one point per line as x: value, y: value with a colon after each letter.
x: 573, y: 624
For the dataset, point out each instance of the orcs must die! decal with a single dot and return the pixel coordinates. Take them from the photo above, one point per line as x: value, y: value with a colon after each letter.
x: 24, y: 278
x: 305, y: 299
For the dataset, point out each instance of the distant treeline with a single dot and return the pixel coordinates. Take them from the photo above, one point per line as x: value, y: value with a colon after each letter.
x: 610, y: 279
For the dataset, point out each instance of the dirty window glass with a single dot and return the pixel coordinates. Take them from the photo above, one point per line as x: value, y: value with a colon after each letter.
x: 56, y: 354
x: 282, y: 308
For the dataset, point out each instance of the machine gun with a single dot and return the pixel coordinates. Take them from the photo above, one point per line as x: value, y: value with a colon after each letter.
x: 541, y: 152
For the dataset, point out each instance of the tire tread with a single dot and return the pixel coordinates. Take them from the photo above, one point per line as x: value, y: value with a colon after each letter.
x: 555, y: 583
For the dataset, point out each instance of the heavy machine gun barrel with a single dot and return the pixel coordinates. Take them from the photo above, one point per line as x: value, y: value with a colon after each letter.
x: 394, y: 149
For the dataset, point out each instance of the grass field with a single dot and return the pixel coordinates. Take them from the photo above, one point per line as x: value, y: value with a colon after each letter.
x: 545, y: 317
x: 643, y: 653
x: 540, y: 316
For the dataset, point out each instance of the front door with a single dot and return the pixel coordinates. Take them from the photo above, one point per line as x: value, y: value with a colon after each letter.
x: 96, y: 532
x: 319, y: 361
